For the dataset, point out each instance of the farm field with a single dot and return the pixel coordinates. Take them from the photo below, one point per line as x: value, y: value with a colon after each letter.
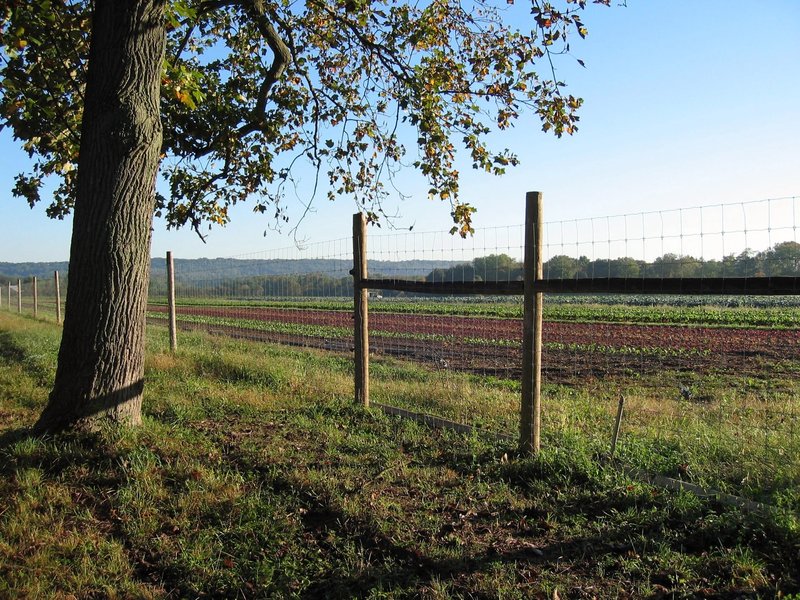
x: 708, y: 310
x: 580, y: 340
x: 253, y: 475
x: 713, y: 388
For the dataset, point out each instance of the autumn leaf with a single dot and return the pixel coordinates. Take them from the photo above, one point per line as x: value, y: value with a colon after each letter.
x: 365, y: 91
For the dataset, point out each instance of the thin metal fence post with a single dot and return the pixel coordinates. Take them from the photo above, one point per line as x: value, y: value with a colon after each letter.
x: 531, y: 403
x: 173, y: 329
x: 58, y: 298
x: 19, y: 295
x: 361, y: 307
x: 35, y: 297
x: 617, y: 423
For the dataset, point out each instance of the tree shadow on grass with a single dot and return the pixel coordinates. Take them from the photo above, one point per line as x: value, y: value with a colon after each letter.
x: 413, y: 566
x: 473, y: 547
x: 10, y: 437
x: 524, y: 556
x: 54, y: 453
x: 12, y: 353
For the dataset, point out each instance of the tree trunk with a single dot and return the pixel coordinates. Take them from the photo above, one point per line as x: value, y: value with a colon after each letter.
x: 100, y: 374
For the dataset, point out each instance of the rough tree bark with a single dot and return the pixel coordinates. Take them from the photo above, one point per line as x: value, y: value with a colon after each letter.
x: 101, y: 359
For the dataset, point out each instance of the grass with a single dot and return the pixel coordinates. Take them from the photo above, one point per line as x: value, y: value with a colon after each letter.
x: 733, y: 434
x: 254, y: 476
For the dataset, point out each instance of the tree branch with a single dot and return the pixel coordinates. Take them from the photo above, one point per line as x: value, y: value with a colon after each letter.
x: 282, y: 56
x: 280, y: 60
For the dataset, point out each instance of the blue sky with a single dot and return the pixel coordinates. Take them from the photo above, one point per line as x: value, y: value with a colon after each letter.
x: 687, y: 103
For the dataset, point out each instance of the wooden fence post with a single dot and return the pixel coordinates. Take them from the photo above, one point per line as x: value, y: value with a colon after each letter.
x: 19, y: 295
x: 35, y: 297
x: 58, y: 298
x: 531, y: 404
x: 361, y: 316
x: 9, y: 294
x: 173, y: 325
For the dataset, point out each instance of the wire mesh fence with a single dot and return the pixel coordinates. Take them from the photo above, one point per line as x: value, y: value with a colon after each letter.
x: 293, y: 296
x: 710, y: 383
x: 751, y: 239
x: 456, y: 357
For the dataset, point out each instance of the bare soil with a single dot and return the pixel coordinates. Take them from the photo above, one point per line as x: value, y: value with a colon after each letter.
x: 493, y: 346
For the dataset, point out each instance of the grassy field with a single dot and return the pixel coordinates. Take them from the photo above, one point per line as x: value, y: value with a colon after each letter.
x: 253, y: 476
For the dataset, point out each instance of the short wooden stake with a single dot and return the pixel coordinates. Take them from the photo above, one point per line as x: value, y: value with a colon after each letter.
x: 58, y: 299
x: 361, y: 315
x: 173, y: 324
x: 617, y: 424
x: 19, y: 295
x: 531, y: 403
x: 35, y: 297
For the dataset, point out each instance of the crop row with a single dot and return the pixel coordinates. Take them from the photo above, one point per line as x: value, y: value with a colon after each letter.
x: 775, y: 317
x: 646, y: 349
x: 482, y: 302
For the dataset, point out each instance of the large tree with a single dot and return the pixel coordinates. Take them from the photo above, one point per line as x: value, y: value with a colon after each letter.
x: 245, y: 91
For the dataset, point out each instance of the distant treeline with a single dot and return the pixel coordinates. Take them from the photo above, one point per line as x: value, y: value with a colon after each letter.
x: 781, y: 260
x: 330, y: 277
x: 46, y: 285
x: 306, y: 284
x: 42, y: 270
x: 198, y: 270
x: 204, y: 269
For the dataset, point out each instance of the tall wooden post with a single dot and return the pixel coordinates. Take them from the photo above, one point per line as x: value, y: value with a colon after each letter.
x: 19, y: 295
x: 531, y: 405
x: 9, y: 294
x: 361, y: 320
x: 58, y: 298
x: 35, y: 297
x: 173, y: 329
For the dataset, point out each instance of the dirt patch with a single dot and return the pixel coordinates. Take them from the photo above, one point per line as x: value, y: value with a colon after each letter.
x: 493, y: 346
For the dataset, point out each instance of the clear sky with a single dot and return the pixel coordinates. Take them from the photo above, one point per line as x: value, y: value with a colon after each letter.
x: 687, y: 103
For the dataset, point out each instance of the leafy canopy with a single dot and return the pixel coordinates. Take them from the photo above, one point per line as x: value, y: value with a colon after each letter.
x: 251, y: 89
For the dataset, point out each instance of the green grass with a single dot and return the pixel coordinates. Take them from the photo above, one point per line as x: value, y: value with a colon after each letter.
x: 254, y: 476
x: 736, y: 434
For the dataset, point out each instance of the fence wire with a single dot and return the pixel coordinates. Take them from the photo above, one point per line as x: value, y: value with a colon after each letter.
x: 710, y: 383
x: 293, y: 296
x: 456, y: 357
